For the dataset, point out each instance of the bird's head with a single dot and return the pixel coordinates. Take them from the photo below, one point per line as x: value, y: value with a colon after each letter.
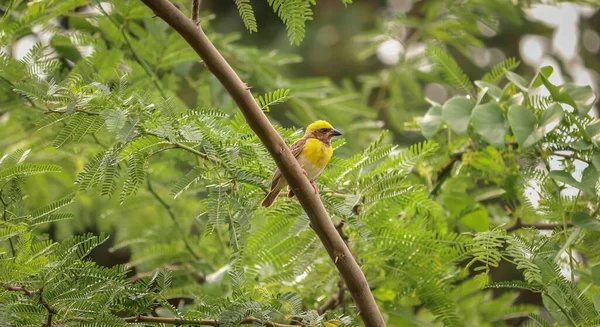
x: 322, y: 131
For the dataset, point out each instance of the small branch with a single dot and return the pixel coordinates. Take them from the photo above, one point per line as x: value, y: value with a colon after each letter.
x: 135, y: 54
x: 205, y: 322
x: 18, y: 289
x: 571, y: 157
x: 51, y: 310
x: 520, y: 224
x: 174, y: 218
x: 443, y: 173
x: 195, y: 11
x: 335, y: 299
x: 4, y: 214
x: 47, y: 112
x: 198, y: 277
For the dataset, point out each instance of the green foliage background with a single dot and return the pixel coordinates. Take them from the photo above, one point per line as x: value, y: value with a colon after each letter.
x: 130, y: 182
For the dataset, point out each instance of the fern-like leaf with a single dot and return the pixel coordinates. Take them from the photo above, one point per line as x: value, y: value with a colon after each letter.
x: 272, y: 98
x: 28, y: 169
x: 247, y: 14
x: 184, y: 183
x: 451, y: 71
x: 294, y: 14
x: 495, y: 75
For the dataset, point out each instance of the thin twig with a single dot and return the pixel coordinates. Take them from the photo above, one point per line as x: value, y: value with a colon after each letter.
x: 198, y: 277
x: 174, y: 218
x: 195, y: 11
x: 139, y: 318
x: 51, y: 310
x: 4, y: 214
x: 204, y: 322
x: 570, y: 156
x: 335, y: 299
x: 520, y: 224
x: 137, y: 57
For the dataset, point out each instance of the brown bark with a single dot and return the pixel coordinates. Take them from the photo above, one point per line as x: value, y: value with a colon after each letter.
x: 321, y: 223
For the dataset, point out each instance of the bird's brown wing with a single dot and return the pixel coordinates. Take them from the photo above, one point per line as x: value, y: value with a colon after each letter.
x: 296, y: 149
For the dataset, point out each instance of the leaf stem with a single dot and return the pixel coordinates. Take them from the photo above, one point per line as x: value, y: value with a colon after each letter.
x: 174, y: 219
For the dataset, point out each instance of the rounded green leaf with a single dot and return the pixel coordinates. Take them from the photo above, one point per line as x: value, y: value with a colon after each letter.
x: 583, y: 96
x: 522, y: 122
x: 517, y: 80
x: 490, y: 89
x: 596, y: 274
x: 457, y: 113
x: 488, y: 122
x: 546, y: 71
x: 551, y: 117
x: 431, y: 122
x: 586, y: 221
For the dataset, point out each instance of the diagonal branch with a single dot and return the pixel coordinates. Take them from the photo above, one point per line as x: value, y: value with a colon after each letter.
x: 321, y: 223
x: 541, y: 226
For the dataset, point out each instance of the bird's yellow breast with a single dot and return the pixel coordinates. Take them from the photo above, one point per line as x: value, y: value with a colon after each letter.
x: 317, y: 152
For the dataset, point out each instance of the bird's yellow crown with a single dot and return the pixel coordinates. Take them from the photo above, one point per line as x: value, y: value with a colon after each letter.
x: 318, y: 125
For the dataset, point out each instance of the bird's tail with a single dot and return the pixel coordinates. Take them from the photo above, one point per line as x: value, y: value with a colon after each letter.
x: 270, y: 198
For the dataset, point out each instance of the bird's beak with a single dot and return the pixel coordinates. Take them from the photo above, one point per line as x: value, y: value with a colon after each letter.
x: 335, y: 132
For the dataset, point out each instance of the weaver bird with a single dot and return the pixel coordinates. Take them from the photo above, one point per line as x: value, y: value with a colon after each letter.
x: 313, y: 151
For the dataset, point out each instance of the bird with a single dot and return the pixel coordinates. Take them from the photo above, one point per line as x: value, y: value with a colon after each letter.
x: 313, y: 152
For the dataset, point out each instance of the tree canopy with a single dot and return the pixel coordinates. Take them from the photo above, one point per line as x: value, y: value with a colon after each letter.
x: 465, y: 188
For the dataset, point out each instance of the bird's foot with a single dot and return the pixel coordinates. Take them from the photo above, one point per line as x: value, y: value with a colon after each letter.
x: 290, y: 194
x: 315, y: 187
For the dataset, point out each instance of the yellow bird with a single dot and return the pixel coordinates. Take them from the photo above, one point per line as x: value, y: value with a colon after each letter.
x: 313, y: 151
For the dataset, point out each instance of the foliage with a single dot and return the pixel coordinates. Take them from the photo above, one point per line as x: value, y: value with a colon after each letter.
x: 133, y: 151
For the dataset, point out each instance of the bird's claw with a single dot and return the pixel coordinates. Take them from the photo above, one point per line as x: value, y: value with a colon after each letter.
x: 315, y: 187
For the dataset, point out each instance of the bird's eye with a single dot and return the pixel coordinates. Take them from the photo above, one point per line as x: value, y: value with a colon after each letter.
x: 324, y: 129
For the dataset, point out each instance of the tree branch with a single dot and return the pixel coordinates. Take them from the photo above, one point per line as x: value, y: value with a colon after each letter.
x: 335, y: 299
x: 51, y: 310
x: 321, y: 223
x: 520, y: 224
x: 195, y: 10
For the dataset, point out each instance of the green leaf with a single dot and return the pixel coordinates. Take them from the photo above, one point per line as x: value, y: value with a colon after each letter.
x: 28, y: 169
x: 430, y: 123
x: 596, y: 161
x: 522, y: 122
x: 457, y: 113
x: 451, y: 71
x: 596, y: 274
x: 497, y: 73
x: 551, y: 117
x: 564, y: 177
x: 589, y: 179
x: 583, y: 96
x: 517, y: 80
x: 65, y: 48
x: 558, y: 94
x: 115, y: 119
x: 596, y: 298
x: 583, y: 220
x: 537, y: 81
x: 488, y: 122
x: 492, y: 90
x: 247, y: 14
x: 477, y: 220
